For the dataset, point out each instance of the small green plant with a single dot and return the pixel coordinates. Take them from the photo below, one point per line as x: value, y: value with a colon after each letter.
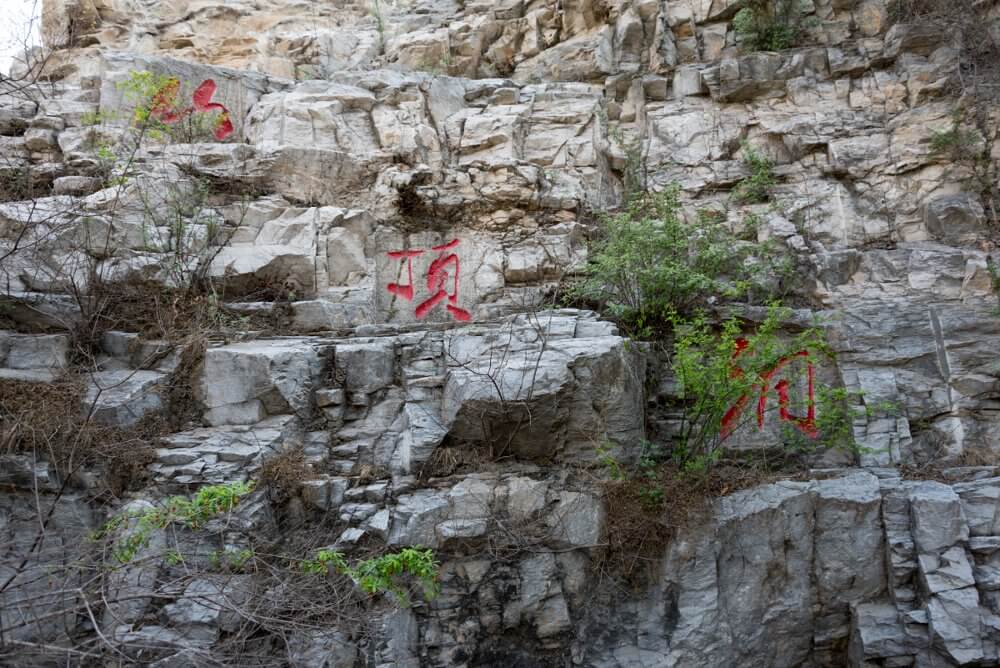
x: 441, y: 65
x: 836, y: 410
x: 651, y: 264
x: 105, y: 153
x: 141, y: 89
x: 635, y: 169
x: 157, y: 114
x: 238, y: 559
x: 381, y: 574
x: 233, y: 560
x: 645, y: 473
x: 91, y: 118
x: 757, y: 187
x: 608, y: 461
x: 775, y: 271
x: 209, y: 502
x: 973, y: 148
x: 957, y: 143
x: 994, y: 270
x: 953, y: 141
x: 376, y: 12
x: 650, y: 489
x: 325, y: 560
x: 752, y: 223
x: 770, y: 25
x: 634, y: 172
x: 126, y: 548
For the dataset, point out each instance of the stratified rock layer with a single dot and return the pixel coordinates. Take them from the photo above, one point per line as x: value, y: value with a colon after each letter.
x: 383, y: 152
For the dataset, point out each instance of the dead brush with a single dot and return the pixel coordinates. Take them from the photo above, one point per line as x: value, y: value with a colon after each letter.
x: 448, y: 460
x: 284, y: 473
x: 47, y: 420
x: 978, y: 455
x: 968, y: 25
x: 150, y: 309
x: 157, y: 311
x: 644, y: 513
x: 183, y: 406
x: 510, y: 538
x: 948, y: 468
x: 636, y: 534
x: 369, y: 473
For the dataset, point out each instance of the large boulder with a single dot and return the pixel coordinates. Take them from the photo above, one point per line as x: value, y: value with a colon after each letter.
x: 544, y: 389
x: 244, y: 382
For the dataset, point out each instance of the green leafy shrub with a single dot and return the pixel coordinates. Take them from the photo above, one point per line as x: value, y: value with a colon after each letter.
x: 650, y: 263
x: 703, y: 363
x: 209, y: 502
x: 232, y: 559
x: 769, y: 25
x: 757, y: 187
x: 139, y: 90
x: 383, y: 574
x: 606, y: 459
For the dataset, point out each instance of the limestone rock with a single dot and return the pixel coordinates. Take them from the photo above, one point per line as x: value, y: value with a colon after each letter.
x: 122, y: 398
x: 331, y: 649
x: 407, y: 190
x: 275, y: 377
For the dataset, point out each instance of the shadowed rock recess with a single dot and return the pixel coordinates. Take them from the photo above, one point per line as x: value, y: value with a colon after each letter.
x: 343, y: 280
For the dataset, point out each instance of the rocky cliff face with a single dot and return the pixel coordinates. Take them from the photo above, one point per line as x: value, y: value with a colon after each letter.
x: 403, y: 189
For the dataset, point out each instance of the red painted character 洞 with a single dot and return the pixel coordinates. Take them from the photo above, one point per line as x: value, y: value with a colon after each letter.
x: 442, y: 274
x: 807, y: 424
x: 164, y: 106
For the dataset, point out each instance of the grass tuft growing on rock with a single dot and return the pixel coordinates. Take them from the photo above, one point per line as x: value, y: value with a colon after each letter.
x: 284, y: 473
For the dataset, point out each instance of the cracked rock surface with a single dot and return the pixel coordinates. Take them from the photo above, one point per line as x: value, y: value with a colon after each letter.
x: 375, y: 143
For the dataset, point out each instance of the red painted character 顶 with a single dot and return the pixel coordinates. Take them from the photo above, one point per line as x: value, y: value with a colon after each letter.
x: 807, y: 424
x: 442, y: 274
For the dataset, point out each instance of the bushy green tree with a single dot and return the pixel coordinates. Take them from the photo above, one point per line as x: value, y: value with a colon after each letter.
x: 650, y: 263
x: 769, y: 25
x: 756, y: 188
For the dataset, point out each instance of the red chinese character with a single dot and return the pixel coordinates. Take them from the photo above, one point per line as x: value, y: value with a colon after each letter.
x: 443, y: 270
x: 807, y: 425
x: 164, y: 106
x: 404, y: 291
